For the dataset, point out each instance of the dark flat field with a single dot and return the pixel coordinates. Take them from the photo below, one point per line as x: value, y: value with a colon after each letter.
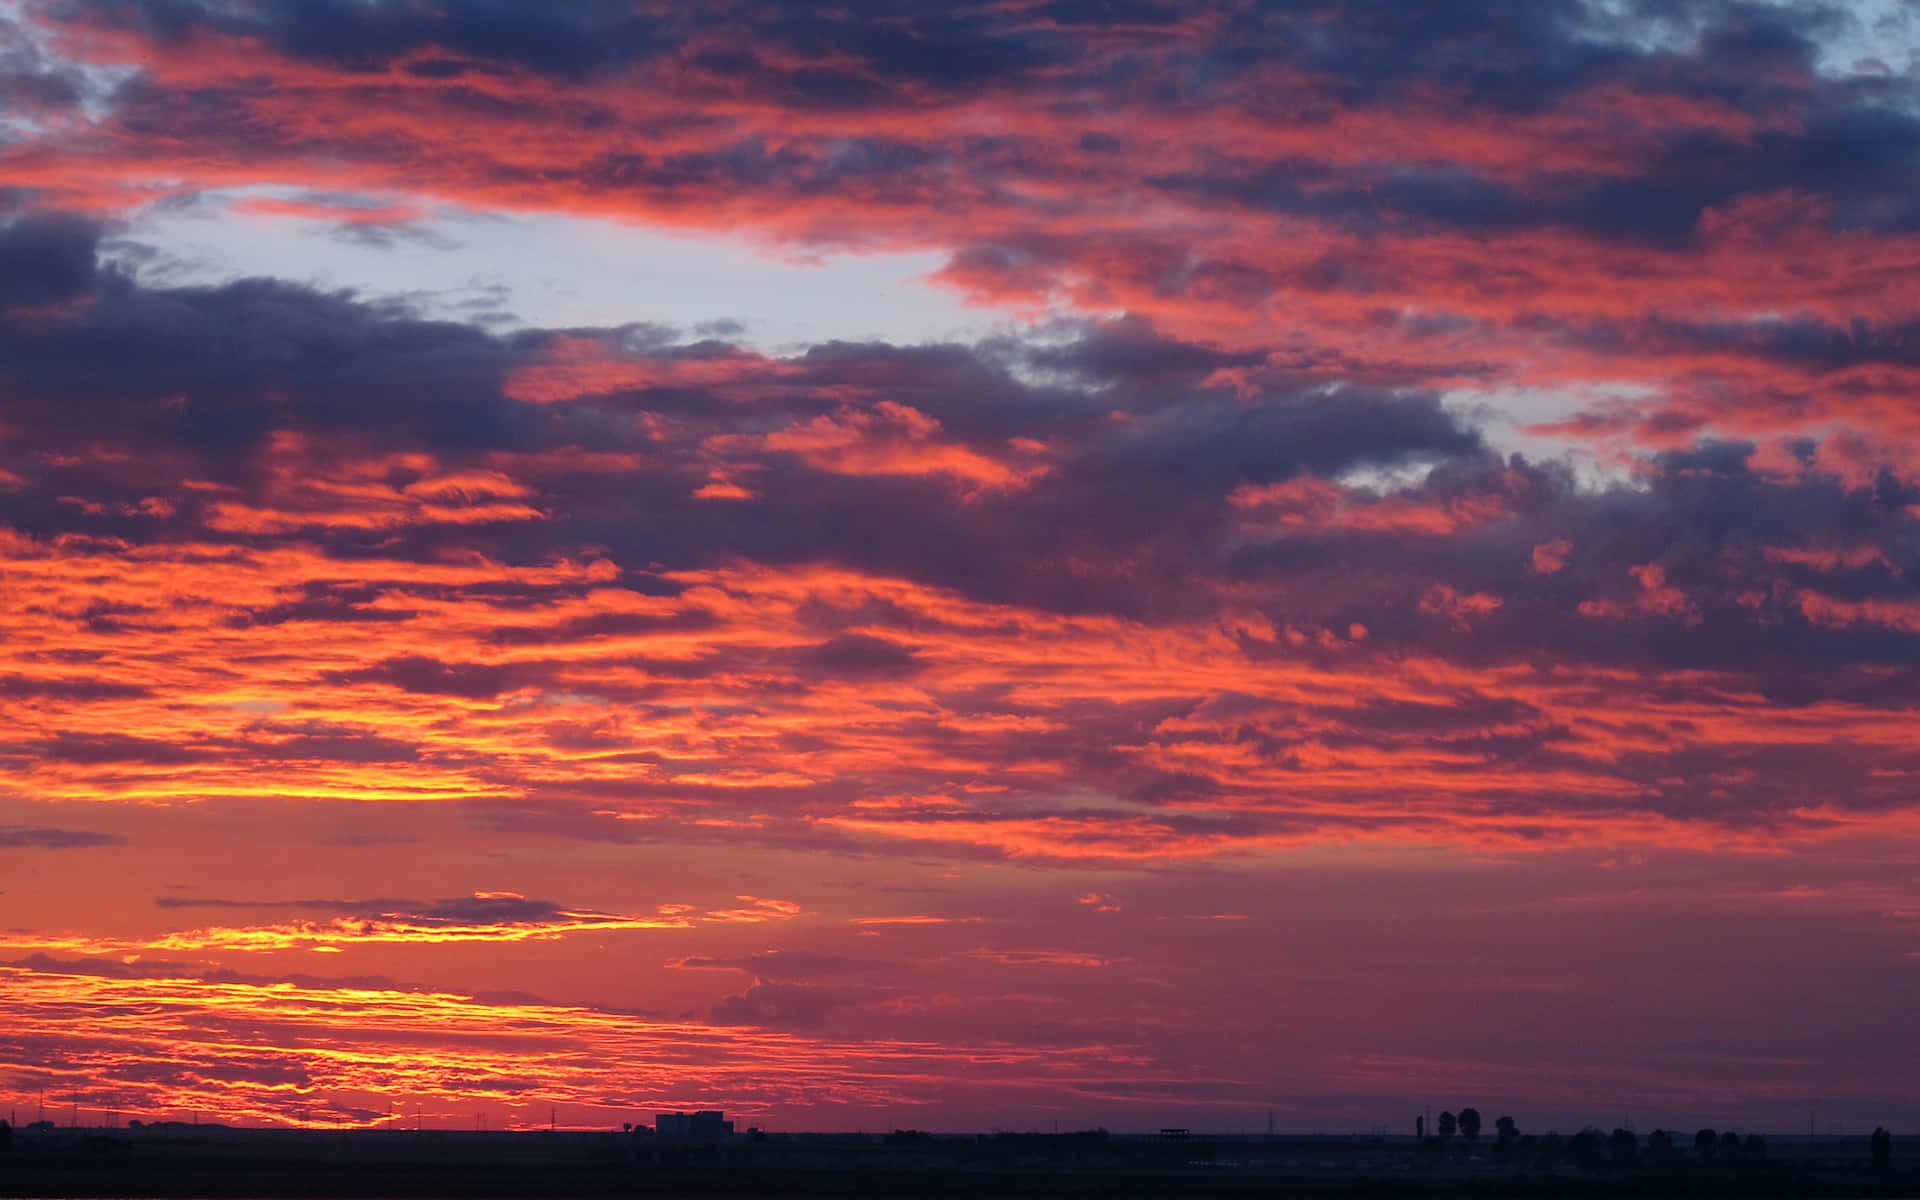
x: 213, y: 1163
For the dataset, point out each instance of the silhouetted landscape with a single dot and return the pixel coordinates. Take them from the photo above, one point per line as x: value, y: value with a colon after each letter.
x: 170, y: 1159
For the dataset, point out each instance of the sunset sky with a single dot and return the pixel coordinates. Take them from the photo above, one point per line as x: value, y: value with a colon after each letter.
x: 961, y: 565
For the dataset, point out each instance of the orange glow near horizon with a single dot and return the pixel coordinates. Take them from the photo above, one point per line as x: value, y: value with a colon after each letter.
x: 308, y: 1056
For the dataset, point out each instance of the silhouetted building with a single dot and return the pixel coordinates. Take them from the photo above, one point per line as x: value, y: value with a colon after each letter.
x: 707, y: 1124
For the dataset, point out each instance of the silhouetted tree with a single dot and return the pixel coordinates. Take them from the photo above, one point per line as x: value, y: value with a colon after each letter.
x: 1447, y: 1125
x: 6, y: 1133
x: 1584, y: 1150
x: 1882, y: 1144
x: 1755, y: 1149
x: 1705, y: 1143
x: 1660, y: 1146
x: 1730, y: 1146
x: 1623, y: 1147
x: 1470, y: 1124
x: 1507, y: 1134
x: 1544, y: 1151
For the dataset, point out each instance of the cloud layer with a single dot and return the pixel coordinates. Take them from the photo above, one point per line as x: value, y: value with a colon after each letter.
x: 1079, y: 598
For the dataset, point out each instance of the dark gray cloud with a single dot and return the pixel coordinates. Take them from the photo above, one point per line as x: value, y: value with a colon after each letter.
x: 41, y: 837
x: 329, y: 743
x: 946, y: 48
x: 797, y: 1006
x: 149, y: 968
x: 857, y: 655
x: 369, y: 37
x: 1151, y: 488
x: 492, y: 908
x: 430, y: 676
x: 1851, y: 140
x: 46, y: 258
x: 358, y: 907
x: 202, y: 380
x: 97, y: 748
x: 782, y: 964
x: 27, y: 687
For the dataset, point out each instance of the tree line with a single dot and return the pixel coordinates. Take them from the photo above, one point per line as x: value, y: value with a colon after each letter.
x: 1592, y: 1148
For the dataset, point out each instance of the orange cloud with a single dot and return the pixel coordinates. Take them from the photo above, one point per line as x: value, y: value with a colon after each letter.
x: 333, y: 934
x: 235, y: 1052
x: 892, y: 439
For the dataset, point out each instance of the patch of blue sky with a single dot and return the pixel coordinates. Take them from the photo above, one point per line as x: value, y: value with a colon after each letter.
x: 510, y: 271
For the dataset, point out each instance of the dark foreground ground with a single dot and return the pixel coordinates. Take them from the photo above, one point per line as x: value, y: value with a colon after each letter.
x: 210, y: 1163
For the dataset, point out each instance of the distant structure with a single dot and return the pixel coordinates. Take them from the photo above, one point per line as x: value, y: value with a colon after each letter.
x: 705, y: 1125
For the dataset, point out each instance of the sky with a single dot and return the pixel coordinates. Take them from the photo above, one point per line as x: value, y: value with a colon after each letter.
x: 960, y: 566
